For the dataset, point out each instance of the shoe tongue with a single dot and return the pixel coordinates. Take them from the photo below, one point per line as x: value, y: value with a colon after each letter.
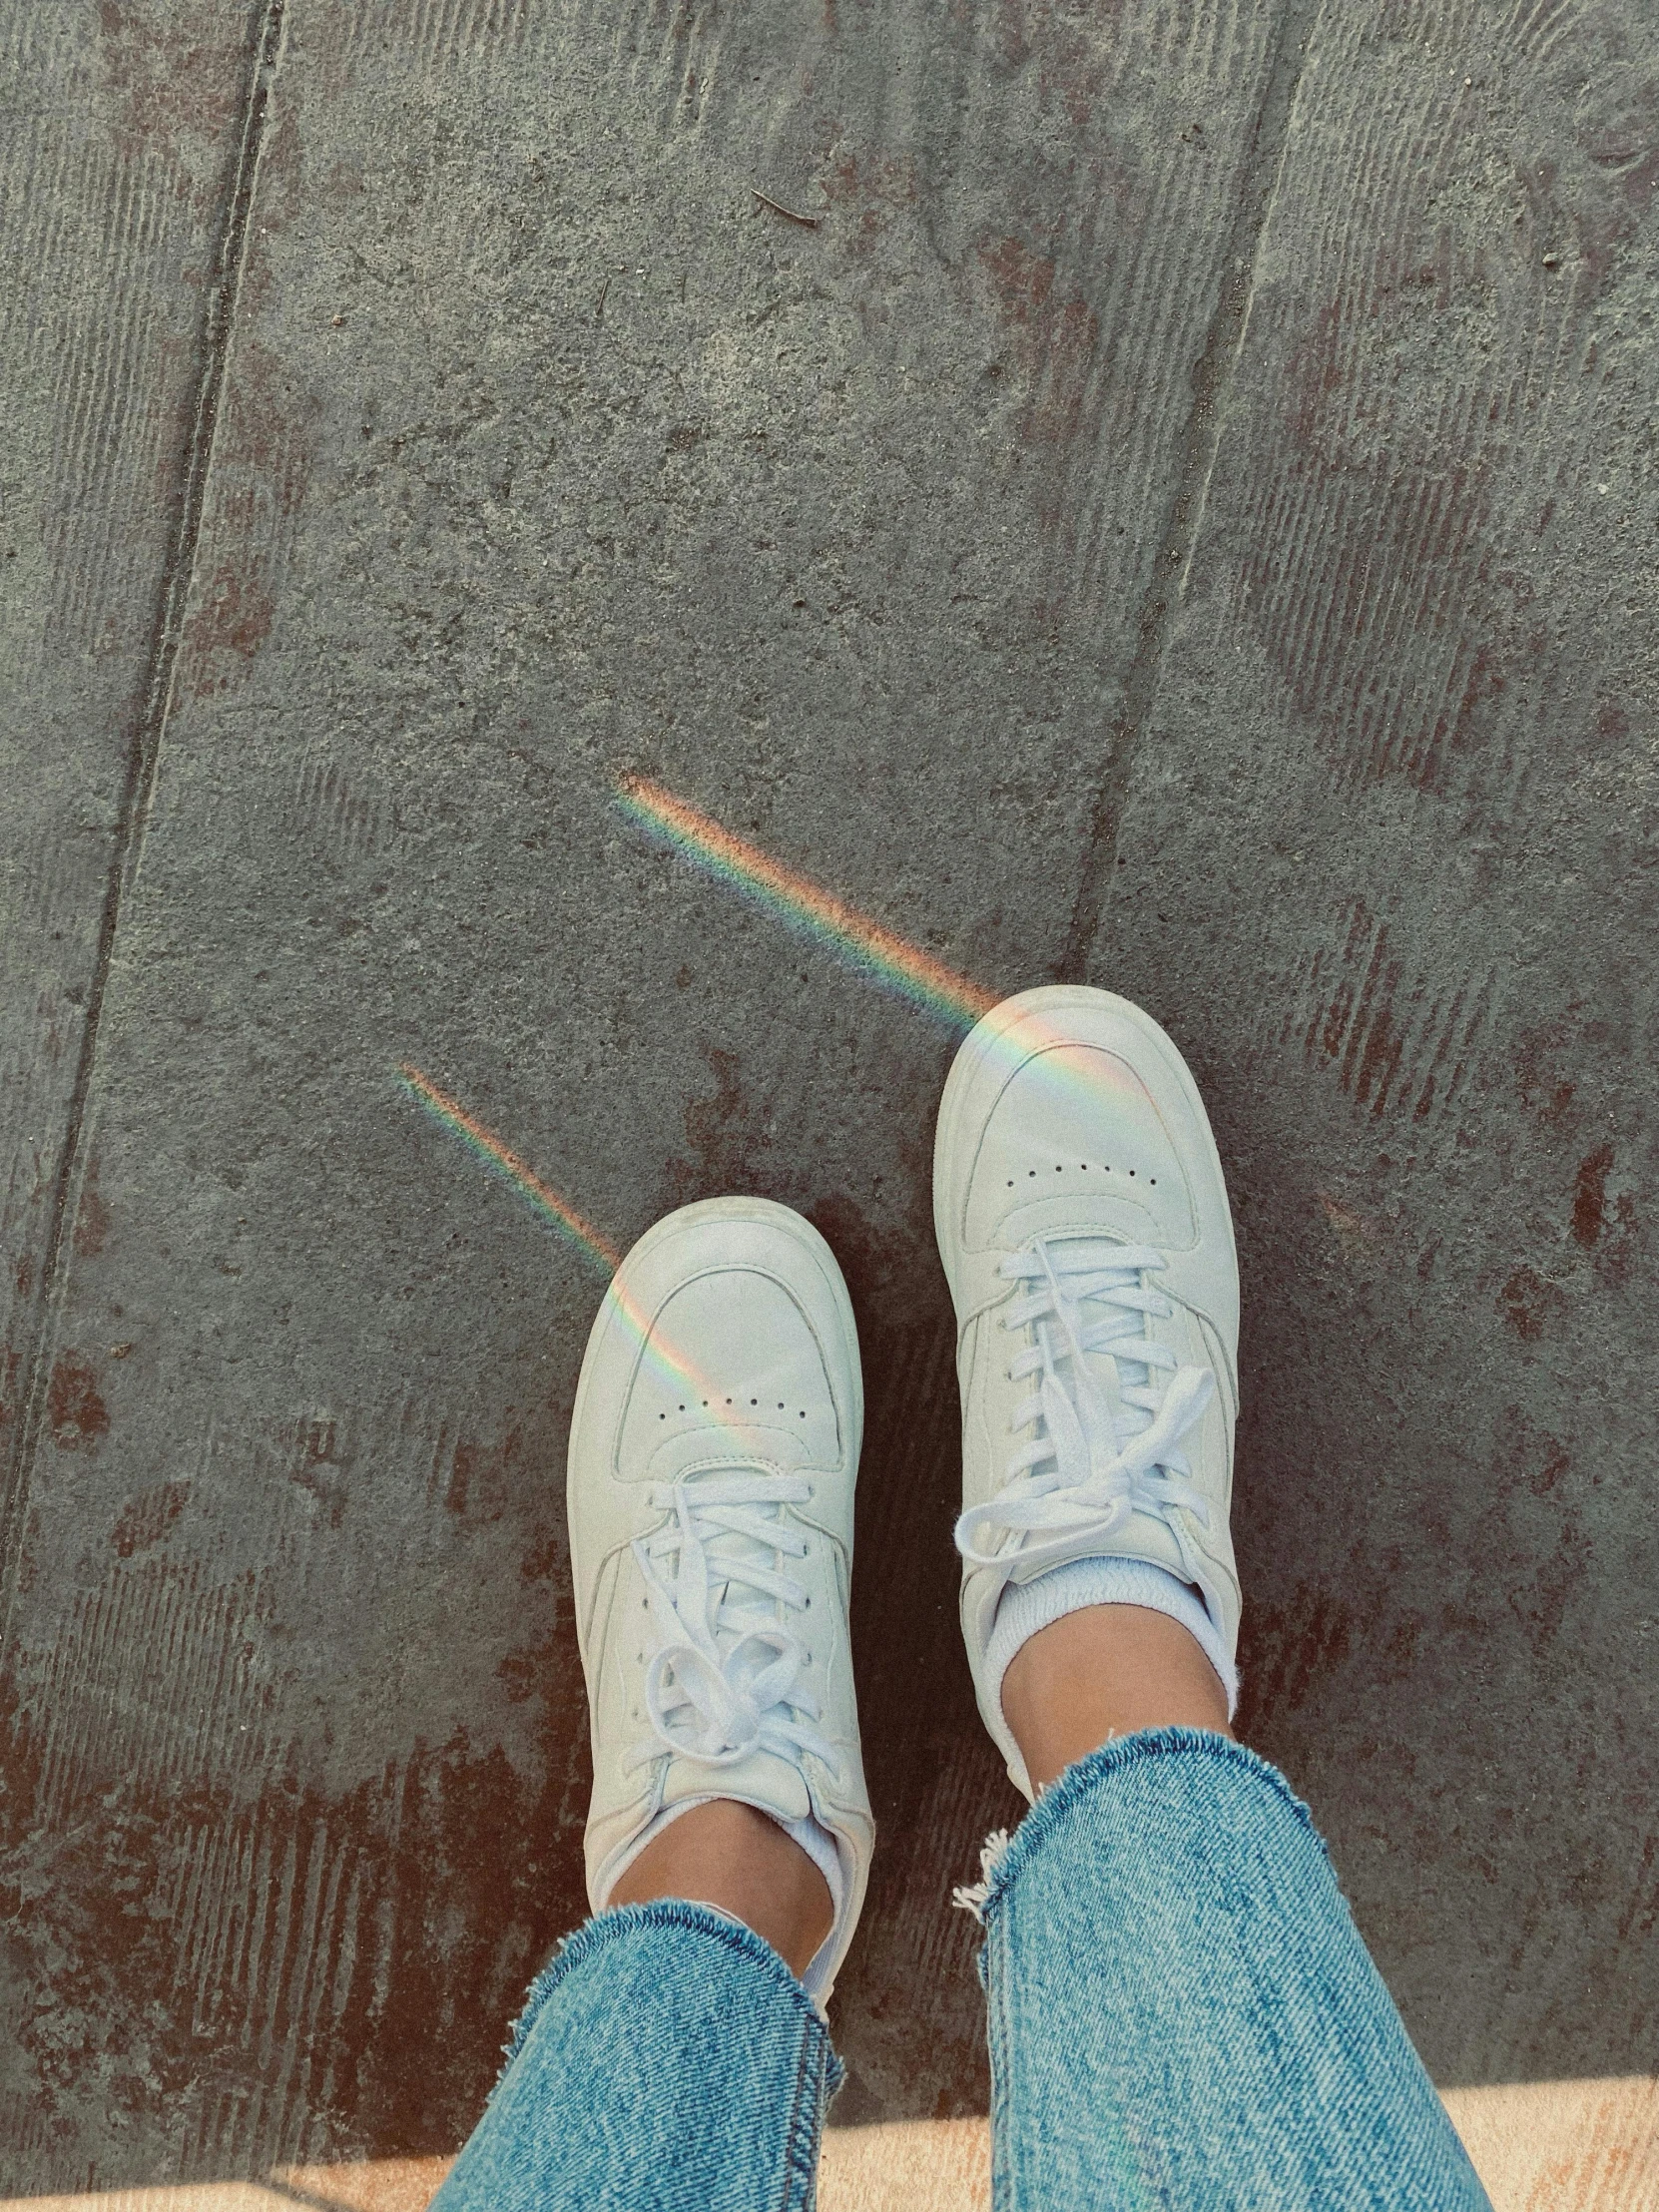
x: 1092, y: 1255
x: 736, y: 1605
x: 762, y: 1779
x: 772, y: 1785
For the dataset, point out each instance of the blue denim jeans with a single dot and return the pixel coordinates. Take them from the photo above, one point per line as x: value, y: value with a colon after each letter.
x: 1182, y: 2015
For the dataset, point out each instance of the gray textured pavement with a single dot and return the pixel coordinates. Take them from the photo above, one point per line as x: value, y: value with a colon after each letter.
x: 1180, y: 514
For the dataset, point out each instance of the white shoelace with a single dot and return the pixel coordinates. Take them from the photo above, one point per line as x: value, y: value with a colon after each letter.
x: 721, y: 1683
x: 1072, y: 1487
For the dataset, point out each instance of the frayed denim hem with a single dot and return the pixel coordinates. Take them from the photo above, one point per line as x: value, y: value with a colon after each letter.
x: 1002, y: 1857
x: 623, y: 1919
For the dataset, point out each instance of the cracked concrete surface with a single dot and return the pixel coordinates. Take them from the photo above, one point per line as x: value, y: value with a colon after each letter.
x: 1180, y: 515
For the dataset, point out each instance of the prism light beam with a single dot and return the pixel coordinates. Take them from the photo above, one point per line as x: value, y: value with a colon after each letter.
x: 487, y: 1147
x: 873, y: 951
x: 484, y: 1145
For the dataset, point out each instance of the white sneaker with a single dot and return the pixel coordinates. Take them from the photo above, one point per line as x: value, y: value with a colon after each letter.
x: 714, y: 1449
x: 1083, y: 1222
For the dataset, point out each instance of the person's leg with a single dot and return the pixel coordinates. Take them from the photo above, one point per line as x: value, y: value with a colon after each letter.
x: 667, y: 2061
x: 741, y: 1862
x: 1182, y: 2012
x: 674, y: 2055
x: 1104, y: 1671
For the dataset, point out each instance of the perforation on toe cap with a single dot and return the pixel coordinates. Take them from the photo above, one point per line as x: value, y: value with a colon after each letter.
x: 1083, y: 1167
x: 1076, y: 1123
x: 755, y: 1364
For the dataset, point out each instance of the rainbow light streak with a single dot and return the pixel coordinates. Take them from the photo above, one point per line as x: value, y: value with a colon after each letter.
x: 873, y: 951
x: 486, y: 1145
x: 870, y: 949
x: 488, y: 1148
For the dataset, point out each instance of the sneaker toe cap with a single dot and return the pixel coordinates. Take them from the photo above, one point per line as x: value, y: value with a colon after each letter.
x: 733, y: 1348
x: 1075, y: 1128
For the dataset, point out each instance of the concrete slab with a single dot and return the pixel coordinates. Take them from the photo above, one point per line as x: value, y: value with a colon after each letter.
x: 548, y: 452
x: 118, y: 133
x: 548, y: 455
x: 1385, y: 864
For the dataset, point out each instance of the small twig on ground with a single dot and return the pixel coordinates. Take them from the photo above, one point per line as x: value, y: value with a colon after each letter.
x: 806, y: 221
x: 598, y: 312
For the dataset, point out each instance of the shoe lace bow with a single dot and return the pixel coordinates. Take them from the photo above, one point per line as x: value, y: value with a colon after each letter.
x: 1072, y: 1487
x: 725, y: 1678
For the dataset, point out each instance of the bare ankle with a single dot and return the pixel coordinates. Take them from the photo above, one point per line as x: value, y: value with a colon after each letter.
x: 739, y: 1860
x: 1105, y: 1671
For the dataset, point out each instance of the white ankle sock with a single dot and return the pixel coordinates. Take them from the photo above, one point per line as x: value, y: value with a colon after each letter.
x: 1028, y: 1606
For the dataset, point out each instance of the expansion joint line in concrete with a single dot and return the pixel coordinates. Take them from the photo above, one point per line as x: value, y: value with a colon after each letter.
x: 1212, y: 378
x: 267, y: 37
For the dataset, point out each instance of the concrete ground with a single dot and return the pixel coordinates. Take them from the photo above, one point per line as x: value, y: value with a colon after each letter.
x: 1157, y: 494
